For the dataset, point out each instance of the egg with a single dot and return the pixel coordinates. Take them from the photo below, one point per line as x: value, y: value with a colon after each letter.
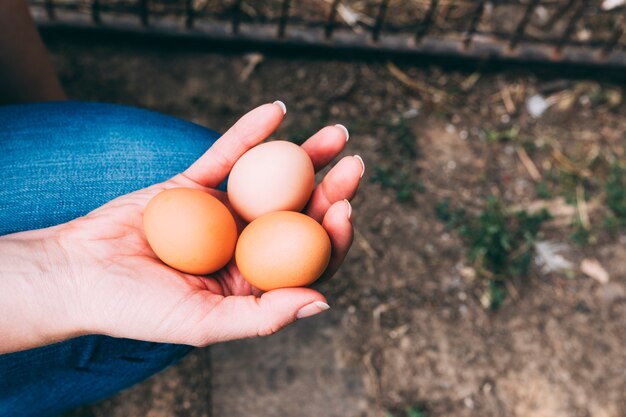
x: 282, y: 249
x: 272, y: 176
x: 190, y: 230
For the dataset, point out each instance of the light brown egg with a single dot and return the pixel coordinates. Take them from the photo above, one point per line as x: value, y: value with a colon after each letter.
x: 272, y: 176
x: 190, y: 230
x: 282, y: 249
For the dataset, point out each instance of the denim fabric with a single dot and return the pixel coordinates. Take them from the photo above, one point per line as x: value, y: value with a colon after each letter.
x: 59, y: 161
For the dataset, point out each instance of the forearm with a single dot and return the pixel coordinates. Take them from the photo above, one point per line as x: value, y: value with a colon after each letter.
x: 26, y: 73
x: 34, y: 306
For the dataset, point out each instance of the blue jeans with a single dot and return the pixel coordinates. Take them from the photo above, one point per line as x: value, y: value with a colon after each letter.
x: 59, y: 161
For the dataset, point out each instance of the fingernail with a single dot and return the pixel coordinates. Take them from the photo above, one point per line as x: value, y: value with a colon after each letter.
x: 281, y: 105
x: 345, y: 130
x: 349, y: 208
x: 362, y: 163
x: 312, y: 309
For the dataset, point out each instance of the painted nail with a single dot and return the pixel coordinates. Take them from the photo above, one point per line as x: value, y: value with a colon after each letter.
x: 349, y: 208
x: 345, y: 130
x: 312, y: 309
x: 362, y: 163
x: 281, y: 105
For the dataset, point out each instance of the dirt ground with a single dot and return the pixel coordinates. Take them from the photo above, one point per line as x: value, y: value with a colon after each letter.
x: 409, y: 333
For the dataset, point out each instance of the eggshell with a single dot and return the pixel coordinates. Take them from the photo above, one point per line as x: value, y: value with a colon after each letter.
x: 273, y: 176
x: 190, y: 230
x: 282, y: 249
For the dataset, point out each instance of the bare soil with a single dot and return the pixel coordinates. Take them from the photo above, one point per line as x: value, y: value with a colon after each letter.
x: 407, y: 325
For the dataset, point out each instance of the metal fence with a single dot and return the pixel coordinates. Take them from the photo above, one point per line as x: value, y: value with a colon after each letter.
x: 583, y: 32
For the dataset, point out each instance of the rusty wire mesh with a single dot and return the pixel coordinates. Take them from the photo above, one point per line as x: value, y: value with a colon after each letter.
x: 572, y: 31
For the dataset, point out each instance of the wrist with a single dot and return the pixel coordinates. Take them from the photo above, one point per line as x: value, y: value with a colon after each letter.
x: 39, y: 300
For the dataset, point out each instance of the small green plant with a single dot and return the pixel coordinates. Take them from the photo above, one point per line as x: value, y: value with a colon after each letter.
x: 410, y: 411
x: 581, y: 235
x: 453, y: 218
x: 406, y: 139
x: 615, y: 191
x: 502, y: 135
x: 402, y: 141
x: 403, y: 149
x: 496, y: 293
x: 529, y: 146
x: 415, y: 411
x: 500, y: 243
x: 399, y: 181
x: 543, y: 191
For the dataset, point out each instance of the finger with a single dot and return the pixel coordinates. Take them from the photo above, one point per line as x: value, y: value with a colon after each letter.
x: 340, y: 183
x: 338, y: 225
x: 239, y: 317
x: 254, y: 127
x: 325, y: 145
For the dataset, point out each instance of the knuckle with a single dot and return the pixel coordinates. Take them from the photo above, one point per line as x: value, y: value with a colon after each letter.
x: 221, y: 160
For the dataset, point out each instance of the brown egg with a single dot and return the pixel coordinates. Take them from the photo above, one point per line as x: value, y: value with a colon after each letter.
x: 190, y: 230
x: 282, y: 249
x: 272, y: 176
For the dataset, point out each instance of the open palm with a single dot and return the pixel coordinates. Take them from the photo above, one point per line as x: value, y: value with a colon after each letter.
x: 126, y: 291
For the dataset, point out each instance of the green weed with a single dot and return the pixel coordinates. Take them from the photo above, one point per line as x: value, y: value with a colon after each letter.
x: 400, y: 177
x: 543, y: 191
x: 453, y: 218
x: 581, y: 235
x: 500, y: 243
x: 402, y: 141
x: 615, y: 191
x: 502, y: 135
x: 399, y: 181
x: 411, y: 411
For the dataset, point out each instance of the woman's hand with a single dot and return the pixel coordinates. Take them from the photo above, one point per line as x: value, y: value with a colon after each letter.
x: 97, y: 274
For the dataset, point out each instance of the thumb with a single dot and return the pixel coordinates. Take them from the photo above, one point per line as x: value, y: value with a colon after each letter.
x: 237, y: 317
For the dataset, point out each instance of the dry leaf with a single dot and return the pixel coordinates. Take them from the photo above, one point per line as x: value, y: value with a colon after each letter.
x: 592, y: 268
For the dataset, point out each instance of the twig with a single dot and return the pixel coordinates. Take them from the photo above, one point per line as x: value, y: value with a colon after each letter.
x: 583, y: 212
x: 513, y: 292
x: 254, y: 59
x: 508, y: 101
x: 528, y: 164
x: 470, y: 81
x: 365, y: 245
x: 410, y: 82
x: 567, y: 164
x: 562, y: 213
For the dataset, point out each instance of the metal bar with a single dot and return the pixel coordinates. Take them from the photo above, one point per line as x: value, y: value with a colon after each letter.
x: 425, y: 25
x: 332, y: 16
x: 189, y: 14
x: 571, y: 26
x: 618, y: 32
x: 95, y: 11
x: 521, y: 27
x: 236, y: 16
x: 380, y: 20
x: 143, y: 12
x: 304, y: 40
x: 478, y: 14
x: 50, y: 9
x: 284, y: 18
x: 323, y: 34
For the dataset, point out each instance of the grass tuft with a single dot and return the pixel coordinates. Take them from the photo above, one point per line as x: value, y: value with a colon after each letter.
x: 615, y: 191
x: 500, y: 243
